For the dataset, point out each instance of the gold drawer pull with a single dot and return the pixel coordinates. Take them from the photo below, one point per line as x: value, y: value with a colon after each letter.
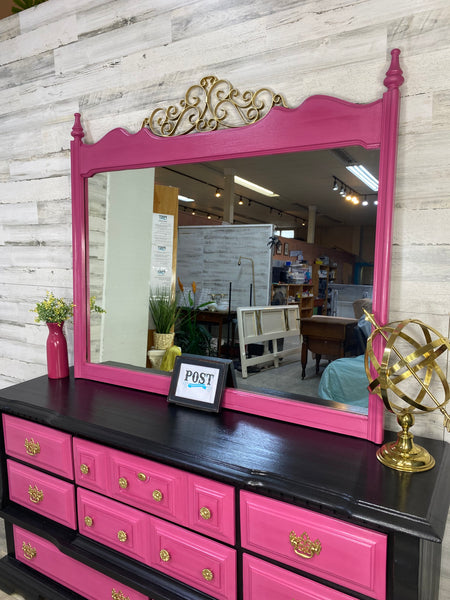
x: 35, y: 495
x: 205, y: 513
x: 157, y: 495
x: 84, y: 469
x: 28, y: 551
x: 304, y: 546
x: 122, y: 536
x: 32, y: 447
x: 123, y: 483
x: 118, y: 595
x: 142, y: 477
x: 164, y: 555
x: 88, y: 521
x: 208, y: 574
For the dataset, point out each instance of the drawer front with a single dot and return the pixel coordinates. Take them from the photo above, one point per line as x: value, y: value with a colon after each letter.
x: 153, y: 487
x: 211, y: 508
x: 206, y: 565
x: 263, y: 581
x: 349, y: 555
x: 117, y: 526
x: 42, y: 493
x: 41, y: 555
x: 90, y: 465
x: 38, y: 445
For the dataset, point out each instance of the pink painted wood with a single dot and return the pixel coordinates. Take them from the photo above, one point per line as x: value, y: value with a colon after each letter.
x: 319, y: 122
x: 41, y: 555
x: 38, y: 445
x: 263, y: 580
x: 349, y: 555
x: 55, y: 498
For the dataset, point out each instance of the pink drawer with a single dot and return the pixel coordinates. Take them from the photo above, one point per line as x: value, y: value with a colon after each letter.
x: 90, y: 465
x: 145, y: 484
x: 117, y: 526
x: 265, y: 581
x: 41, y: 555
x: 211, y: 508
x: 206, y: 565
x: 38, y: 445
x: 42, y: 493
x: 349, y: 555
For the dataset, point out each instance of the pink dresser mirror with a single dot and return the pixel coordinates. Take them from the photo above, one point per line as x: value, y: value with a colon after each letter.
x: 319, y: 124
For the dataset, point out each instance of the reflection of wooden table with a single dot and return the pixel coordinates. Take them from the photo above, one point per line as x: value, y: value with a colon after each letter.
x: 220, y: 318
x: 331, y: 336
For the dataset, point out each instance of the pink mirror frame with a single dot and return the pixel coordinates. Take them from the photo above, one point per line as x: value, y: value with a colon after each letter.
x: 319, y: 122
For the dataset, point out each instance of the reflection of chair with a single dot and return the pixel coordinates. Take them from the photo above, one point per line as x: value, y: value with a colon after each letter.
x: 361, y: 303
x: 261, y: 324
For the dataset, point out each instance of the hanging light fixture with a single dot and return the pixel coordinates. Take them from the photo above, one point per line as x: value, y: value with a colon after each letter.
x: 335, y: 185
x: 218, y: 193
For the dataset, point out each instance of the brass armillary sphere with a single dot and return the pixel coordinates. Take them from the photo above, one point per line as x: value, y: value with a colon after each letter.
x: 409, y: 380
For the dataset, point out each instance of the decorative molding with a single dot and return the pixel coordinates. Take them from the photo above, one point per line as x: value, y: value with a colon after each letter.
x: 212, y: 104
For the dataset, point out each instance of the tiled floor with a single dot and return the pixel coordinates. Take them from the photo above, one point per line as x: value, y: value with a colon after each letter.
x: 4, y: 596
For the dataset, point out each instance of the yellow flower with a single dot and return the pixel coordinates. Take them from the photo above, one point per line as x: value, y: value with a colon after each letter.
x: 194, y: 287
x: 180, y: 285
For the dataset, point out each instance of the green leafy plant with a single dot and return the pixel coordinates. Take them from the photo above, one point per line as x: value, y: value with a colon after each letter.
x: 23, y: 5
x: 164, y: 309
x: 192, y: 337
x: 58, y: 310
x: 53, y: 310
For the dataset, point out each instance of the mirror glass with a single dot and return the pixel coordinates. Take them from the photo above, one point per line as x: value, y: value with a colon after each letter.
x: 309, y: 243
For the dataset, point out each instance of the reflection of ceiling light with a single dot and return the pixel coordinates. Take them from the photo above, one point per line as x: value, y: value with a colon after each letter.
x: 375, y: 202
x: 342, y: 191
x: 335, y: 186
x: 209, y: 217
x: 365, y: 176
x: 365, y: 203
x: 255, y: 187
x: 185, y: 199
x: 218, y: 194
x: 241, y: 202
x: 193, y: 212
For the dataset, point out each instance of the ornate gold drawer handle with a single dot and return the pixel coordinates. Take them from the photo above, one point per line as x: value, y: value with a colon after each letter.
x: 157, y: 495
x: 123, y: 483
x: 84, y: 469
x: 207, y: 574
x: 164, y: 555
x: 304, y: 546
x: 32, y: 447
x: 28, y: 551
x: 88, y: 521
x: 205, y: 513
x: 36, y: 495
x: 115, y: 595
x: 122, y: 536
x: 142, y: 476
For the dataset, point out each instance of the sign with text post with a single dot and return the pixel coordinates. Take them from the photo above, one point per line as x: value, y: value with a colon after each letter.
x: 199, y: 382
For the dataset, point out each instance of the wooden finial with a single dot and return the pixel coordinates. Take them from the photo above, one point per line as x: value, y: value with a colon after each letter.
x: 394, y: 75
x: 77, y: 129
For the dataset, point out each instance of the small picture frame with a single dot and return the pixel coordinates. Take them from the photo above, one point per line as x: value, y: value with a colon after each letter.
x: 286, y: 249
x: 198, y: 382
x: 278, y: 250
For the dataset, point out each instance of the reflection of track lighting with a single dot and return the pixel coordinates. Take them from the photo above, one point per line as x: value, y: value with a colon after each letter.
x: 241, y: 202
x: 335, y: 185
x: 342, y: 192
x: 208, y: 216
x: 218, y: 194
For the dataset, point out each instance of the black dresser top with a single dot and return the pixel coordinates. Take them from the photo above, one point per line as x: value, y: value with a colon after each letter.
x: 336, y: 474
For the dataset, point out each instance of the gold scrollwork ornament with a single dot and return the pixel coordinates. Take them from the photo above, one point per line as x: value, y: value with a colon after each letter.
x: 118, y: 595
x: 28, y: 551
x: 304, y: 546
x: 32, y: 448
x: 35, y: 494
x: 212, y: 104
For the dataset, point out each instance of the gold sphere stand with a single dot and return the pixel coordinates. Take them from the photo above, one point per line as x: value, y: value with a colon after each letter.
x: 404, y: 454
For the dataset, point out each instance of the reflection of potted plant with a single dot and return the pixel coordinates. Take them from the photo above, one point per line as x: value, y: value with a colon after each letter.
x: 164, y: 312
x: 192, y: 337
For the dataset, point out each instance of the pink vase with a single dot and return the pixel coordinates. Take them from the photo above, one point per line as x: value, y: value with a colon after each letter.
x: 57, y: 361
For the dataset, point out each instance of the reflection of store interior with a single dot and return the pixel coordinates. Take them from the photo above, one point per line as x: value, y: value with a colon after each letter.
x: 318, y: 257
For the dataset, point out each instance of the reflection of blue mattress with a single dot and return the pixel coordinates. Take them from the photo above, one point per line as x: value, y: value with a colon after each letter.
x: 345, y: 380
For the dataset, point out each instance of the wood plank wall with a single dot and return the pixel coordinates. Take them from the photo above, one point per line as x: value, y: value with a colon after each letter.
x: 116, y: 61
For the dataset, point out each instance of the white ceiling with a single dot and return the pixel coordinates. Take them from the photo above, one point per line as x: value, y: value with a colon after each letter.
x: 301, y: 179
